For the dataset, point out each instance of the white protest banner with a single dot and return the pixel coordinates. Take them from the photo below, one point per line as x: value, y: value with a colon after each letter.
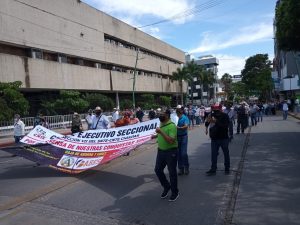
x: 90, y: 148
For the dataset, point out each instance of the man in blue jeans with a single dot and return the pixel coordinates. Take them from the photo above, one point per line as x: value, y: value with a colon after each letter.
x: 218, y: 123
x: 182, y: 138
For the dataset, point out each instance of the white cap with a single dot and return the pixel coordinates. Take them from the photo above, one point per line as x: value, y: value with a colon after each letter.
x: 179, y: 107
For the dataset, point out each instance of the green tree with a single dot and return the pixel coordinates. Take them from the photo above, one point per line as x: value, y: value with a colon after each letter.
x: 125, y: 104
x: 147, y: 101
x: 12, y: 100
x: 165, y: 101
x: 206, y: 78
x: 95, y: 99
x: 190, y: 71
x: 180, y: 75
x: 227, y: 82
x: 239, y: 90
x: 68, y: 102
x: 257, y: 76
x: 287, y: 21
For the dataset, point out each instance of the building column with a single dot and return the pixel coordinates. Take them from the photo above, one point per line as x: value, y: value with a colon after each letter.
x: 117, y: 100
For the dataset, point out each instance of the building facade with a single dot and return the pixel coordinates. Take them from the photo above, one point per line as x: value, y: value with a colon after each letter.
x: 54, y: 45
x: 209, y: 94
x: 286, y: 75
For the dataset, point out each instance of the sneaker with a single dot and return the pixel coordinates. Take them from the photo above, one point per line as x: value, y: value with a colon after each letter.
x: 186, y: 171
x: 174, y: 197
x: 227, y: 171
x: 211, y: 172
x: 164, y: 194
x: 181, y: 172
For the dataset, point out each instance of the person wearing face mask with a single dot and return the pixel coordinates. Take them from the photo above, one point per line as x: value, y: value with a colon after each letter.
x: 19, y: 129
x: 182, y: 138
x: 100, y: 121
x: 167, y: 155
x: 218, y: 123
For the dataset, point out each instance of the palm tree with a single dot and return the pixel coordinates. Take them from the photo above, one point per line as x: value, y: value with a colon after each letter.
x: 180, y: 76
x: 206, y: 78
x: 227, y: 82
x: 190, y: 71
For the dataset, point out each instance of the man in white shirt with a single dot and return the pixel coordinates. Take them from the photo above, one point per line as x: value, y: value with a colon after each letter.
x: 100, y: 121
x: 89, y: 119
x: 115, y: 115
x: 285, y: 109
x: 19, y: 129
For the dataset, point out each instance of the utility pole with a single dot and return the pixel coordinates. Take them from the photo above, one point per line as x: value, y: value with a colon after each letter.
x: 134, y: 75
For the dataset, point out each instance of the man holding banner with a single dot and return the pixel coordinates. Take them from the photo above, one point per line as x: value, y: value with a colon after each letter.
x: 167, y: 155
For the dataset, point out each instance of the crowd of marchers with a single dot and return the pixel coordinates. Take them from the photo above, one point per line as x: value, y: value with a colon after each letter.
x: 219, y: 121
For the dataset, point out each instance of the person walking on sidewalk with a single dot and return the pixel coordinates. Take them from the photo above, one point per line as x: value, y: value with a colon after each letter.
x: 19, y: 129
x: 182, y: 138
x: 218, y: 124
x: 285, y: 109
x: 167, y: 155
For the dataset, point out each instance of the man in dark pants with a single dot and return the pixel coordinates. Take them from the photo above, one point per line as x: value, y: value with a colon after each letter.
x: 242, y: 118
x: 167, y: 155
x: 218, y: 123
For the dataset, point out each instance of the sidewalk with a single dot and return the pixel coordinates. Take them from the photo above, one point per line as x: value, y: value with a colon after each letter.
x: 269, y: 187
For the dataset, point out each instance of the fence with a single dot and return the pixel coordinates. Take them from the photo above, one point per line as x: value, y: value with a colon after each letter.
x: 55, y: 122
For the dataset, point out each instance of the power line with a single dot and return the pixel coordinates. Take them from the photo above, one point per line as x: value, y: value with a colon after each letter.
x: 197, y: 9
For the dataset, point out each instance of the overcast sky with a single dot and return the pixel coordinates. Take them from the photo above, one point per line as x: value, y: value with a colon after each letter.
x: 231, y: 30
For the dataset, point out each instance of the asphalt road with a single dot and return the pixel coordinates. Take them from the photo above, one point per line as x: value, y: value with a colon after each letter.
x: 263, y: 187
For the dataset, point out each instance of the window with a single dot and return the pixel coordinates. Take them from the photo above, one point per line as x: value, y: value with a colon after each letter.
x: 36, y: 54
x: 98, y: 65
x: 62, y: 58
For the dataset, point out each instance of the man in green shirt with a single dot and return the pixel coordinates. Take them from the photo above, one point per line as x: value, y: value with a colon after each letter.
x: 167, y: 155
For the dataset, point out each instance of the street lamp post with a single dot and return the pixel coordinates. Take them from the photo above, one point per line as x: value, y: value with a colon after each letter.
x: 134, y: 77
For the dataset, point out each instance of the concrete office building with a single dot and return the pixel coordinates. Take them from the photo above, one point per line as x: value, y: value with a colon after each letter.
x: 54, y: 45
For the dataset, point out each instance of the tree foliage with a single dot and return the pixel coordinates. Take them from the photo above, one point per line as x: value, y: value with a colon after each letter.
x: 190, y: 71
x: 12, y: 100
x: 95, y: 99
x: 287, y: 21
x: 68, y: 102
x: 125, y: 104
x: 257, y: 76
x: 147, y: 101
x: 226, y: 81
x: 165, y: 101
x: 239, y: 89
